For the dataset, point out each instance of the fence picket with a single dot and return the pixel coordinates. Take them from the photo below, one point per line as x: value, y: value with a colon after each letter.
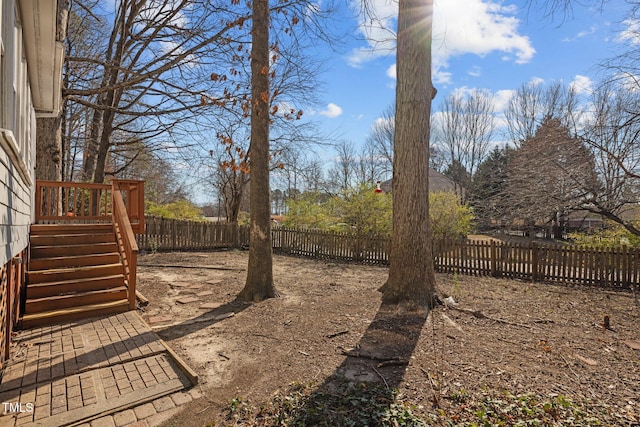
x: 607, y: 267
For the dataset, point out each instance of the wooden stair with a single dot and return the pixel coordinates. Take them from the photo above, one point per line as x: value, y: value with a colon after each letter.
x: 74, y: 272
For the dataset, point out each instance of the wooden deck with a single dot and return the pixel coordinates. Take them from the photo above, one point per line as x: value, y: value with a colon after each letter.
x: 73, y: 373
x: 83, y: 253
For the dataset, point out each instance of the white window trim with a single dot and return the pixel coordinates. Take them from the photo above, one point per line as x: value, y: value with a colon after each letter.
x: 9, y: 144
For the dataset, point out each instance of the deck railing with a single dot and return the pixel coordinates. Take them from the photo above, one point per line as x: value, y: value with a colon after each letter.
x: 87, y: 202
x: 133, y: 198
x: 73, y: 201
x: 121, y: 203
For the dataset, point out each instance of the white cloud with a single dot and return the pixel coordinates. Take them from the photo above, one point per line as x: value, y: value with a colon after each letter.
x: 171, y: 48
x: 313, y: 9
x: 501, y: 99
x: 630, y: 82
x: 285, y: 107
x: 581, y: 84
x: 632, y: 31
x: 475, y: 71
x: 460, y: 27
x: 382, y: 122
x: 160, y: 10
x: 582, y: 34
x: 442, y: 77
x: 536, y: 81
x: 391, y: 72
x: 585, y: 33
x: 332, y: 111
x: 478, y: 27
x: 439, y: 76
x: 379, y: 33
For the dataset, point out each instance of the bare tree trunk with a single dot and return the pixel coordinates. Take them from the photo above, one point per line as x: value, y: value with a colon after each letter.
x: 103, y: 152
x: 91, y: 147
x: 233, y: 207
x: 49, y: 148
x: 411, y: 282
x: 259, y: 284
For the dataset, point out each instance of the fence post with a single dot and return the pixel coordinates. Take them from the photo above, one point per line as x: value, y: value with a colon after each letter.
x: 173, y: 235
x: 235, y: 235
x: 357, y: 247
x: 494, y: 259
x: 534, y: 262
x: 624, y: 253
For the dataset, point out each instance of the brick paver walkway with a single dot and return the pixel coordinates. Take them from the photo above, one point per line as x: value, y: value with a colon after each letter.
x: 95, y: 371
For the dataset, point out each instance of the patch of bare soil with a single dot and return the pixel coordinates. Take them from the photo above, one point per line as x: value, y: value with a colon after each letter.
x: 504, y: 338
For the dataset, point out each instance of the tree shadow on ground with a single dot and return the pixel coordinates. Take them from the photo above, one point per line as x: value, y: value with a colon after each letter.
x: 204, y: 320
x: 362, y: 390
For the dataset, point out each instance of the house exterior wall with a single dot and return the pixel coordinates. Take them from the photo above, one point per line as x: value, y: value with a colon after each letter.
x: 17, y: 160
x: 17, y: 137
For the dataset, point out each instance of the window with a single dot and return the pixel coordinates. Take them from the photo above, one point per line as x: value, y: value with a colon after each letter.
x: 16, y: 109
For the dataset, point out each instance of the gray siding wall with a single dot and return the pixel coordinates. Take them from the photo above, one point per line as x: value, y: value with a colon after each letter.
x: 17, y: 136
x: 15, y: 209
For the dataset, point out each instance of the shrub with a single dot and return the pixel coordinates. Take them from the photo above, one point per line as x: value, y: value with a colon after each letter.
x: 310, y: 210
x: 613, y: 235
x: 449, y: 218
x: 366, y: 212
x: 181, y: 209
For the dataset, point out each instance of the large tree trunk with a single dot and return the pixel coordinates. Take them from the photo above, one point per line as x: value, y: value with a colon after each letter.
x: 49, y: 148
x: 259, y: 284
x: 102, y: 154
x: 91, y: 147
x: 411, y: 282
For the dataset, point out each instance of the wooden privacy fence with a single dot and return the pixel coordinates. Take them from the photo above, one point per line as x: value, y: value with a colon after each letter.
x: 605, y: 267
x: 163, y: 234
x: 332, y: 245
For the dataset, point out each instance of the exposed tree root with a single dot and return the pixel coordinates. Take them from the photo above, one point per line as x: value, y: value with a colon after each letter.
x: 384, y: 360
x: 480, y: 315
x: 203, y: 267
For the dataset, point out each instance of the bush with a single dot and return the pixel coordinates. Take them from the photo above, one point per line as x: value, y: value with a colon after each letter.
x: 309, y: 210
x: 182, y: 209
x: 449, y: 219
x: 366, y: 212
x: 613, y: 235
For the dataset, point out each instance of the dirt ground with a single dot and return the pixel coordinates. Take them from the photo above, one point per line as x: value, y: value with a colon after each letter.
x: 503, y: 336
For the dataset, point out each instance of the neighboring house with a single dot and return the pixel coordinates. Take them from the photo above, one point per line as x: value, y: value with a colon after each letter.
x: 437, y: 182
x: 30, y: 87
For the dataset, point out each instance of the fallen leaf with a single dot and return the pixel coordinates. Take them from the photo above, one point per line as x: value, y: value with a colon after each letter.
x: 187, y: 300
x: 450, y: 322
x: 633, y: 344
x: 586, y: 360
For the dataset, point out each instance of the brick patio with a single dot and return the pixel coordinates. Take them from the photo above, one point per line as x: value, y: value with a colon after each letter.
x: 111, y: 371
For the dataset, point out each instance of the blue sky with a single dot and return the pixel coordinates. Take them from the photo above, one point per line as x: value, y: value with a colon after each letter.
x: 487, y: 44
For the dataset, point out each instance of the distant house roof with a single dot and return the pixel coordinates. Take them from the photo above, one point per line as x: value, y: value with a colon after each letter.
x: 437, y: 182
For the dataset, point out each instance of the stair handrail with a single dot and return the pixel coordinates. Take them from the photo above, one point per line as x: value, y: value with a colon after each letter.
x: 133, y: 196
x: 127, y: 245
